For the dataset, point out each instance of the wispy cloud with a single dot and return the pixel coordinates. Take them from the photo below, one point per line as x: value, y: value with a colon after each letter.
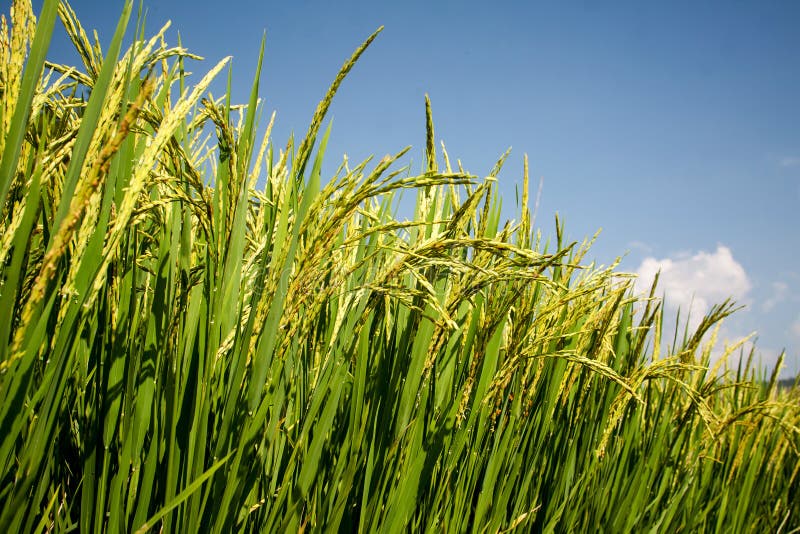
x: 789, y: 161
x: 780, y: 292
x: 794, y: 328
x: 695, y: 282
x: 640, y: 246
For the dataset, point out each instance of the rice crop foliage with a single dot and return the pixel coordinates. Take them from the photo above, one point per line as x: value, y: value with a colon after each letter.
x: 201, y: 333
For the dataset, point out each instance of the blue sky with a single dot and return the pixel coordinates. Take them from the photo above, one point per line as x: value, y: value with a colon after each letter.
x: 673, y: 126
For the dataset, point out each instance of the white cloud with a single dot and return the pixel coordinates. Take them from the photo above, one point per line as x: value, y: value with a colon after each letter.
x: 696, y: 282
x: 780, y: 291
x: 702, y: 279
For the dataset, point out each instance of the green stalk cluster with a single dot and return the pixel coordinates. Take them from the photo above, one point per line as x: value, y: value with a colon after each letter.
x: 198, y: 333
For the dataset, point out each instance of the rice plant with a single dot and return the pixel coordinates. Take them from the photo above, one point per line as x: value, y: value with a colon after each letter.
x: 201, y: 333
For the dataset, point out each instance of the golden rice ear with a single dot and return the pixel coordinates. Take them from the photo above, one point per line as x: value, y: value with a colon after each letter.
x: 15, y: 43
x: 304, y: 151
x: 22, y: 53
